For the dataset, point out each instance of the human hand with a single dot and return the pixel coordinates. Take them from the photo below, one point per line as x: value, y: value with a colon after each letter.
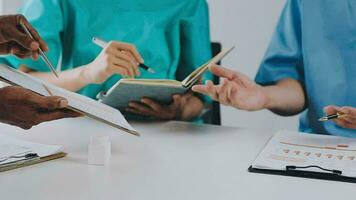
x: 150, y: 108
x: 236, y: 90
x: 348, y: 120
x: 117, y: 58
x: 23, y: 108
x: 14, y: 40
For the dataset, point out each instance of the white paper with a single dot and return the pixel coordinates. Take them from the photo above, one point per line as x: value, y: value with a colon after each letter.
x: 302, y: 149
x: 11, y: 147
x: 75, y: 100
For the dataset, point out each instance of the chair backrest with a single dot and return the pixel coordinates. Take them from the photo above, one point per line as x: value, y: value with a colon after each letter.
x: 213, y: 116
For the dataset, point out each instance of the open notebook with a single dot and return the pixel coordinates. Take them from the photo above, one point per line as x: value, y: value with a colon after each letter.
x: 77, y: 102
x: 17, y: 153
x: 127, y: 90
x: 308, y: 155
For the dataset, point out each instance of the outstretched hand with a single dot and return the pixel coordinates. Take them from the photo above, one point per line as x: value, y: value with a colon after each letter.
x: 236, y: 90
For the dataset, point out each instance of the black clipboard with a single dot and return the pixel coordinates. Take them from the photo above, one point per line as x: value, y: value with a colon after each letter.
x: 331, y: 175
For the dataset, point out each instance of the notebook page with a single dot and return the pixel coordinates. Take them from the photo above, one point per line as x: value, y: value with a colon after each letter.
x: 297, y: 149
x: 194, y: 76
x: 82, y: 103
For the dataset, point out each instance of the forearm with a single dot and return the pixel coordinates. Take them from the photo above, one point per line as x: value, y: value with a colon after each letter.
x: 285, y: 98
x: 192, y: 107
x: 72, y: 80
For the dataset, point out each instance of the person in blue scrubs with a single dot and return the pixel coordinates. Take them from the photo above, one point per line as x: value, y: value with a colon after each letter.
x: 170, y: 36
x: 309, y: 67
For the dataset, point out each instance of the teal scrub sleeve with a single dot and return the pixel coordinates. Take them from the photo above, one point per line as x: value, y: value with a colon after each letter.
x: 46, y: 17
x: 195, y: 42
x: 284, y: 58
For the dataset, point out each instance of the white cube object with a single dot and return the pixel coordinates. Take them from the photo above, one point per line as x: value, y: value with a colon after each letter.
x: 99, y: 150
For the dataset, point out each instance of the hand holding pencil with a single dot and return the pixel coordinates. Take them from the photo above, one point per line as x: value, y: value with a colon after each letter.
x: 344, y: 116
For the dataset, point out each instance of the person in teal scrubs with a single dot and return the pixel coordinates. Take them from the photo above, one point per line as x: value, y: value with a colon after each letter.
x: 309, y: 67
x: 170, y: 36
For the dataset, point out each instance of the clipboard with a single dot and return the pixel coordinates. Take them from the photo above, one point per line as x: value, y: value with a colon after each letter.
x: 29, y: 162
x: 127, y: 129
x: 304, y: 155
x: 304, y: 174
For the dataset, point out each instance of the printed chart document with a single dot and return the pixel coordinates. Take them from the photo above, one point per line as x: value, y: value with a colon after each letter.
x: 77, y: 102
x: 309, y: 152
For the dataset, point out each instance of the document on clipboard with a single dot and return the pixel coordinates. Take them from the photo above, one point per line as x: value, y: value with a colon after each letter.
x: 77, y: 102
x: 309, y: 156
x: 16, y: 153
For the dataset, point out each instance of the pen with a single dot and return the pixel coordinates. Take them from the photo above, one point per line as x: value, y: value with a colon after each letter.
x: 101, y: 43
x: 330, y: 117
x: 43, y: 55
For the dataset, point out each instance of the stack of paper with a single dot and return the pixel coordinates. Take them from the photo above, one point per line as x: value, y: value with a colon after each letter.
x: 13, y: 150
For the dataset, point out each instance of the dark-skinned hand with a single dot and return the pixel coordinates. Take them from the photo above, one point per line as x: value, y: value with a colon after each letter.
x: 150, y: 108
x: 13, y: 39
x: 23, y: 108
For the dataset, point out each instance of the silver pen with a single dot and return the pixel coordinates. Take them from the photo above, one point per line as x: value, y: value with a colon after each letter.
x: 101, y: 43
x: 43, y: 55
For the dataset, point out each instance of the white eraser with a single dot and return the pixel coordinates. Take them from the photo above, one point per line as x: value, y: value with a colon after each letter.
x: 99, y: 150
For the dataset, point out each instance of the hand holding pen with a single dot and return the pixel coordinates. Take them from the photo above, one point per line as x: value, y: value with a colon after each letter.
x: 101, y: 43
x: 115, y: 58
x: 14, y: 40
x: 343, y: 116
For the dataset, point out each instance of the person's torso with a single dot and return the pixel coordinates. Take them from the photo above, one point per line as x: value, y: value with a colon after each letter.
x: 329, y: 55
x: 152, y: 26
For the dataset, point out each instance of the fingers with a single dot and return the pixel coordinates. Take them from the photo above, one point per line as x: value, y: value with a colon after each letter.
x: 345, y: 124
x: 21, y: 52
x: 140, y: 109
x: 148, y: 107
x: 222, y: 72
x: 22, y: 20
x: 122, y: 59
x: 115, y: 62
x: 152, y: 104
x: 350, y: 116
x: 128, y: 57
x: 348, y: 120
x: 349, y: 111
x: 330, y: 110
x: 212, y: 90
x: 177, y: 101
x: 229, y: 74
x: 23, y: 39
x: 57, y: 114
x: 14, y: 48
x: 202, y: 89
x: 115, y: 69
x: 129, y: 48
x: 224, y: 93
x: 49, y: 103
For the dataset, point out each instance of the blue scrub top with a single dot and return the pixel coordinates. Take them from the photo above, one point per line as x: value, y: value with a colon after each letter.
x: 315, y: 43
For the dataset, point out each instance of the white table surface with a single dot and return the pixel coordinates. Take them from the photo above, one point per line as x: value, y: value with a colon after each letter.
x: 170, y: 161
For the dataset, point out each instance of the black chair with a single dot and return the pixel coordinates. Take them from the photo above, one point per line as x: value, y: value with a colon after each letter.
x: 213, y: 114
